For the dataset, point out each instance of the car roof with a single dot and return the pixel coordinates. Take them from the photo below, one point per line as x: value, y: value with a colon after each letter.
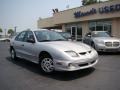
x: 36, y: 30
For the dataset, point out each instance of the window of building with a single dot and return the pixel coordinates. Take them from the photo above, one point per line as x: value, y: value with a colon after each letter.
x: 68, y: 29
x: 100, y: 26
x: 75, y: 31
x: 92, y: 26
x: 79, y: 33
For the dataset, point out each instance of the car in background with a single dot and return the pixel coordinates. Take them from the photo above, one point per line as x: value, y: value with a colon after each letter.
x: 102, y: 41
x: 3, y: 38
x: 66, y: 35
x: 52, y: 51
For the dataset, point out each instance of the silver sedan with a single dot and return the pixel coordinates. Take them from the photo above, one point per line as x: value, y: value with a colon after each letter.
x: 52, y: 51
x: 102, y: 41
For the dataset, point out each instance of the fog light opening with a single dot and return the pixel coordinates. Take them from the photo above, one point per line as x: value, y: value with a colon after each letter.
x: 58, y: 63
x: 71, y: 66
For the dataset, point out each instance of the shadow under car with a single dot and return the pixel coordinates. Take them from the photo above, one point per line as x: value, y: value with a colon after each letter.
x: 58, y: 75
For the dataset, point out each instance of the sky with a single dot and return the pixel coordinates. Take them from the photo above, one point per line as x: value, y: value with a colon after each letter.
x: 24, y: 14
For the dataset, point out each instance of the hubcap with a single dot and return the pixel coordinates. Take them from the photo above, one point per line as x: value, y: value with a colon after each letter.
x: 47, y: 65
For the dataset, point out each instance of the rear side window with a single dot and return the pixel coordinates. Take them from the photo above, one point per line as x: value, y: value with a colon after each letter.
x: 20, y: 37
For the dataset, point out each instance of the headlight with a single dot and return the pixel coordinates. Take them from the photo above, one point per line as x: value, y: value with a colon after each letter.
x: 72, y: 53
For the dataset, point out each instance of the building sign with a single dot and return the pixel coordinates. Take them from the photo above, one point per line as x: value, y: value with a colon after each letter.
x: 109, y: 9
x: 102, y: 10
x: 81, y: 14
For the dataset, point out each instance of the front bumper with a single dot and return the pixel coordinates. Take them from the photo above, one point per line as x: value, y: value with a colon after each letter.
x: 62, y: 65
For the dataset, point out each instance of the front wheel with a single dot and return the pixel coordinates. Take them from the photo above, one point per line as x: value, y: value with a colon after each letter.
x: 46, y: 65
x: 93, y: 45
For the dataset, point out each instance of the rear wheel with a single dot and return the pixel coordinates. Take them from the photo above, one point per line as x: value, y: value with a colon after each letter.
x: 13, y: 54
x: 46, y: 64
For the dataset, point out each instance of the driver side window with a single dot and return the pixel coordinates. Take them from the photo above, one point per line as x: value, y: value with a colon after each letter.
x: 21, y: 36
x: 29, y: 36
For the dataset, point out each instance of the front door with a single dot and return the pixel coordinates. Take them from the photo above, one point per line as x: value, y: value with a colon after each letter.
x: 30, y: 48
x: 76, y: 33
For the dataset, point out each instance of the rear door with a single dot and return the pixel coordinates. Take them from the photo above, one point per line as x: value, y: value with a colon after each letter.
x: 18, y: 44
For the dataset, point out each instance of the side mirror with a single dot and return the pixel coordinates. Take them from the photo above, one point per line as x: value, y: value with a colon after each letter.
x: 31, y: 39
x: 89, y: 35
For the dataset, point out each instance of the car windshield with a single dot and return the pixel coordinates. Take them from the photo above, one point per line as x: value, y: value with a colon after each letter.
x: 100, y: 34
x: 66, y: 35
x: 45, y: 36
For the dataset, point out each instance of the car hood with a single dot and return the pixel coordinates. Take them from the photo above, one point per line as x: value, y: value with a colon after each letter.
x: 106, y: 39
x: 69, y: 45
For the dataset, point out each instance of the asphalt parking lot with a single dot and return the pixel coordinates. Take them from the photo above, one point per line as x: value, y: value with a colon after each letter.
x: 24, y: 75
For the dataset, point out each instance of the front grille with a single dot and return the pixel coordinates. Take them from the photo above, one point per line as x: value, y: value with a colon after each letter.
x: 89, y: 51
x: 86, y: 64
x: 112, y: 44
x: 92, y: 62
x: 108, y: 44
x: 83, y: 53
x: 116, y: 44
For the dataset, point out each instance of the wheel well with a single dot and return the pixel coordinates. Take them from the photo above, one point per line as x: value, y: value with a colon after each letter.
x: 92, y: 43
x: 44, y: 54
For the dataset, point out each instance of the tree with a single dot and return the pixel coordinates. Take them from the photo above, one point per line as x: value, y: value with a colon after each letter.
x: 88, y: 2
x: 10, y: 31
x: 0, y: 30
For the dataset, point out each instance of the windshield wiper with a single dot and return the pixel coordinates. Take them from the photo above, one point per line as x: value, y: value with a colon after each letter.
x: 45, y: 40
x: 60, y: 40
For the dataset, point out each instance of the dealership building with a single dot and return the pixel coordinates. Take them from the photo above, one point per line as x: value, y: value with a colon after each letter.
x: 80, y: 20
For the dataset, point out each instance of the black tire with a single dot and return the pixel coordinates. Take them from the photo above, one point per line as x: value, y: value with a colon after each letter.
x: 13, y: 54
x: 93, y: 45
x: 46, y: 64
